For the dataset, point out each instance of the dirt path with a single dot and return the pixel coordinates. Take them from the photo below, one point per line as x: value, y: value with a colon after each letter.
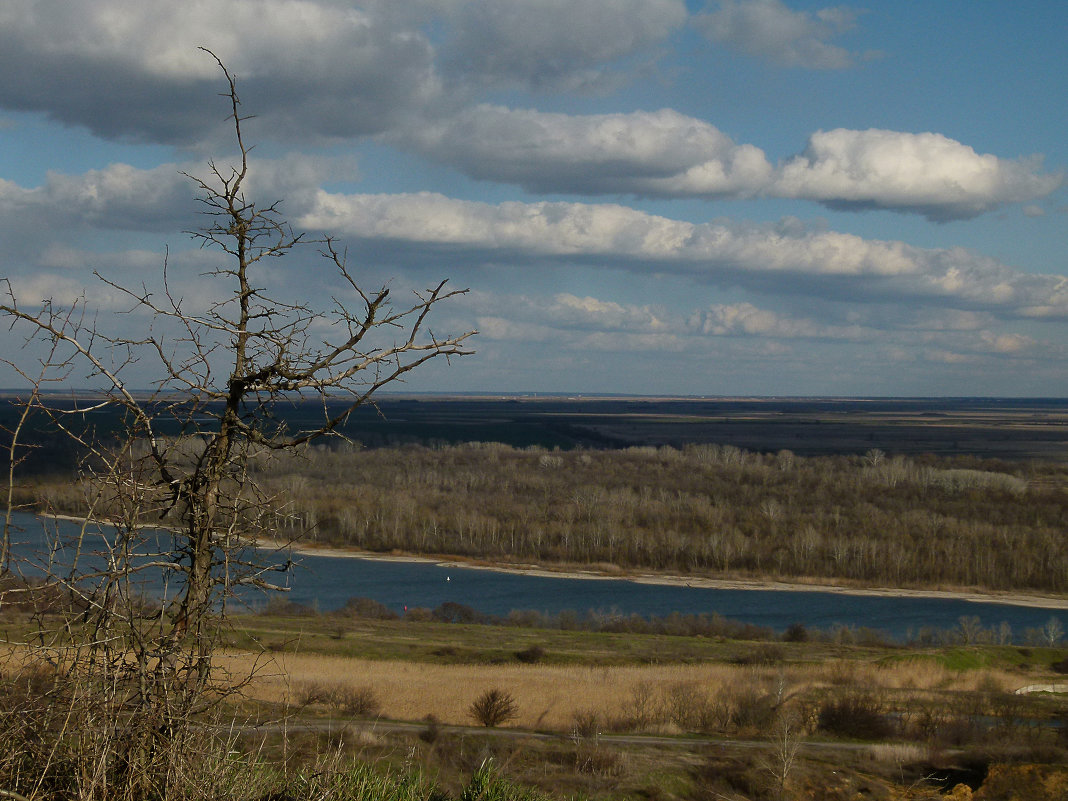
x: 337, y: 725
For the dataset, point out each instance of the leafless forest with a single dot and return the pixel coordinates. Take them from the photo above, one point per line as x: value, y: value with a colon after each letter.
x: 702, y: 509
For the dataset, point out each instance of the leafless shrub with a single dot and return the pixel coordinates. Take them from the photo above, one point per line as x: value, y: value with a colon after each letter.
x: 493, y: 708
x: 768, y: 654
x: 785, y: 741
x: 367, y: 608
x: 586, y: 723
x: 855, y: 716
x: 357, y: 701
x: 751, y: 710
x: 307, y: 693
x: 682, y: 703
x: 430, y: 733
x: 639, y: 708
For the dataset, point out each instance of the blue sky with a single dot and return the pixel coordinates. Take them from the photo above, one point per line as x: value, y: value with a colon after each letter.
x: 747, y: 197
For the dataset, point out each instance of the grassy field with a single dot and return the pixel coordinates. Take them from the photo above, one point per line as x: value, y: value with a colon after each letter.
x: 420, y: 669
x: 611, y: 716
x: 880, y: 717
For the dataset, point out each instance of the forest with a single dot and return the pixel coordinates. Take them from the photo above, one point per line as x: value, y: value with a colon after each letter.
x: 868, y: 519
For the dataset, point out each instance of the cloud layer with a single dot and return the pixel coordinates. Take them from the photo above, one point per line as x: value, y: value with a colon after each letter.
x: 554, y: 44
x: 581, y: 325
x: 728, y: 253
x: 702, y: 112
x: 321, y: 71
x: 131, y: 69
x: 769, y: 30
x: 652, y: 153
x: 667, y: 154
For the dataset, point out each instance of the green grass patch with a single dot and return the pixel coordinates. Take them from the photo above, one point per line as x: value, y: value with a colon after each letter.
x: 460, y: 643
x: 977, y: 657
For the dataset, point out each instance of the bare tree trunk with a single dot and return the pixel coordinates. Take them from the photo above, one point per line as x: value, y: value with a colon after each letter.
x: 133, y: 677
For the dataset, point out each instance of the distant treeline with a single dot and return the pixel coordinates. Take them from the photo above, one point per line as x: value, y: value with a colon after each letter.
x: 702, y: 509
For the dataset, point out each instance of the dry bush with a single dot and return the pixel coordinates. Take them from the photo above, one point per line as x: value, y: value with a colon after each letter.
x: 366, y: 608
x: 598, y: 760
x: 494, y: 707
x: 898, y: 753
x: 762, y: 655
x: 683, y: 704
x: 54, y: 746
x: 307, y: 693
x: 795, y: 632
x: 357, y: 701
x: 431, y: 732
x: 857, y: 717
x: 640, y: 708
x: 586, y: 723
x: 531, y: 655
x: 731, y: 778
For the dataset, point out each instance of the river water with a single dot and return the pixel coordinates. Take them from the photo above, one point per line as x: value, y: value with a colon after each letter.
x: 327, y: 582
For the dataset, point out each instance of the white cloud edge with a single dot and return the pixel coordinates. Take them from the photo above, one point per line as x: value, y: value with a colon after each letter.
x: 538, y: 320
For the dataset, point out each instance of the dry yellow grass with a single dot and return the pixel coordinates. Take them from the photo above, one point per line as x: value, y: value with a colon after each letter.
x: 550, y: 696
x: 913, y: 674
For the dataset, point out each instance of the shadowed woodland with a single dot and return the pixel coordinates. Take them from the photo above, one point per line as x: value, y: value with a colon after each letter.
x: 701, y: 509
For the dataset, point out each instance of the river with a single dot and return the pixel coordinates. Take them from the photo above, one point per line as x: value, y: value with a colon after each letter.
x: 327, y: 582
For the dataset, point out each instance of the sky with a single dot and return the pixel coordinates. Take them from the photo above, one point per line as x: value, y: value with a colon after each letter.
x: 652, y: 197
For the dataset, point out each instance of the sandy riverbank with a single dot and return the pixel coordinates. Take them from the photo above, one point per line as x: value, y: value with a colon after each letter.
x: 641, y: 577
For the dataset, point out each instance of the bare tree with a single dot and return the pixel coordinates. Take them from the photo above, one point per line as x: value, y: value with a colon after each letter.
x: 786, y: 740
x: 174, y: 480
x: 1052, y: 631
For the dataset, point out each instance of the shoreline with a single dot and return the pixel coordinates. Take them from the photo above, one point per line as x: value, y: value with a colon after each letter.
x: 1008, y: 598
x: 668, y: 579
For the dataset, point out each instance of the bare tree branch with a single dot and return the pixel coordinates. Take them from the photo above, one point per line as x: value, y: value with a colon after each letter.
x: 141, y: 598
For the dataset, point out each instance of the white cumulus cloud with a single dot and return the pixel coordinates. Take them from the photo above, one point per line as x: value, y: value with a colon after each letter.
x: 310, y: 69
x: 654, y: 153
x: 124, y: 197
x: 668, y: 154
x: 926, y: 172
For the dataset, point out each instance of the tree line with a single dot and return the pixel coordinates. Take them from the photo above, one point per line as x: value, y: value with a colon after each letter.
x: 702, y: 509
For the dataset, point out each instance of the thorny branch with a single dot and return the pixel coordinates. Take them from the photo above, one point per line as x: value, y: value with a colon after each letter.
x: 173, y: 482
